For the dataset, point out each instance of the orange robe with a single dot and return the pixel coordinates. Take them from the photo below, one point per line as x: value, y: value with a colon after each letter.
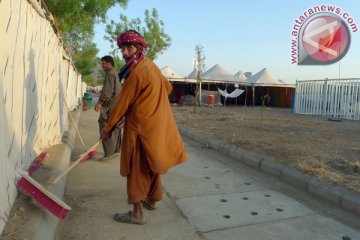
x: 150, y: 128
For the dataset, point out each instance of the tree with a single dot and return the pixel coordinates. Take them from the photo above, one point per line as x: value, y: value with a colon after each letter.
x: 199, y: 65
x: 86, y: 62
x: 76, y: 20
x: 153, y: 32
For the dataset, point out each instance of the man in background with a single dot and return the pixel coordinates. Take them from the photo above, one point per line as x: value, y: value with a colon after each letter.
x: 110, y: 91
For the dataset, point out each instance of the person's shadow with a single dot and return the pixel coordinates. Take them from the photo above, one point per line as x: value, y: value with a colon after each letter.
x: 18, y: 151
x: 31, y: 113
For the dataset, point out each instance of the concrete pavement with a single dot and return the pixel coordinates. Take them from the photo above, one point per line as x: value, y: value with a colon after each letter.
x: 336, y: 194
x: 212, y: 196
x: 95, y: 191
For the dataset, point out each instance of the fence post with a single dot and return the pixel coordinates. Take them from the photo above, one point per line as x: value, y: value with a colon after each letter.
x: 324, y: 97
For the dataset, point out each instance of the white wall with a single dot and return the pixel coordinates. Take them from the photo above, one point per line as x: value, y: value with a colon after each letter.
x: 34, y: 67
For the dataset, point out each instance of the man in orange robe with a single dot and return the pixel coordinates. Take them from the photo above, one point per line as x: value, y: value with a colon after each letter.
x: 152, y: 143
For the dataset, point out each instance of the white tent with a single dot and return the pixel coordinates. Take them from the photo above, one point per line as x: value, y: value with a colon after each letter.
x: 240, y: 75
x: 170, y: 74
x: 218, y: 74
x: 265, y: 79
x: 191, y: 77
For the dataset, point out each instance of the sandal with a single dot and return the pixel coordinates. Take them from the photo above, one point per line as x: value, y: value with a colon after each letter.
x: 126, y: 218
x: 147, y: 206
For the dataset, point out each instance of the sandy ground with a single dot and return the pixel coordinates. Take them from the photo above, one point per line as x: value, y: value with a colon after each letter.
x: 316, y: 145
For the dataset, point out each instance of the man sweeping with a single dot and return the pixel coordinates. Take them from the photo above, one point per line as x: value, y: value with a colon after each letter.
x: 151, y: 142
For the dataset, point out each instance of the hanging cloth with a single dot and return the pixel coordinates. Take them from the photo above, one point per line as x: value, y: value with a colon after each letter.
x: 237, y: 92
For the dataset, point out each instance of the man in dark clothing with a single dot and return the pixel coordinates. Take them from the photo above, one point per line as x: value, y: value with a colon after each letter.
x: 109, y: 93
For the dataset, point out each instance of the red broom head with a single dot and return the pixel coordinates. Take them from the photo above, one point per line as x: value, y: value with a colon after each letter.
x: 89, y: 155
x: 46, y: 199
x: 37, y: 162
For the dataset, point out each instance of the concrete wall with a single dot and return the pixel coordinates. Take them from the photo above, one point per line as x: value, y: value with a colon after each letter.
x: 34, y: 68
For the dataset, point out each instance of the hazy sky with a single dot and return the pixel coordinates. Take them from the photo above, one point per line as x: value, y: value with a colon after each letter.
x: 239, y: 35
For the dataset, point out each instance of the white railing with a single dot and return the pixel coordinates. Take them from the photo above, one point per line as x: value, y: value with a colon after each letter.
x: 34, y: 67
x: 338, y: 98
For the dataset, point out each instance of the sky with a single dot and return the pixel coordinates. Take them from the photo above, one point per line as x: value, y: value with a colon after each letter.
x: 239, y: 35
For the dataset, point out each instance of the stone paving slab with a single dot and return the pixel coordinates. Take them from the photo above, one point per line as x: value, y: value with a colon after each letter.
x: 212, y: 212
x: 203, y: 175
x: 176, y: 230
x: 311, y: 227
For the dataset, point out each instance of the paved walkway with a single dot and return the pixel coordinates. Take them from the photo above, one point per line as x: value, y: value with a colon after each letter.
x: 211, y: 196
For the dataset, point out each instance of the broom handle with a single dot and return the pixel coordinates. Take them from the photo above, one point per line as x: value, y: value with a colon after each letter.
x: 72, y: 119
x: 75, y: 163
x: 80, y: 157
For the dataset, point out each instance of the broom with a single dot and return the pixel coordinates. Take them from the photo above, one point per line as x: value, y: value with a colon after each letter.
x: 72, y: 119
x: 91, y: 153
x: 43, y: 196
x: 78, y: 160
x: 39, y: 159
x: 81, y: 157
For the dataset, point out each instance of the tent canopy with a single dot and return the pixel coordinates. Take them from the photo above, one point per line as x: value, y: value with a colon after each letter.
x: 240, y: 75
x: 265, y: 79
x: 170, y: 74
x: 218, y: 74
x: 192, y: 76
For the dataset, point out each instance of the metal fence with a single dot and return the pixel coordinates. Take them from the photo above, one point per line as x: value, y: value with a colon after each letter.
x: 338, y: 98
x: 34, y: 67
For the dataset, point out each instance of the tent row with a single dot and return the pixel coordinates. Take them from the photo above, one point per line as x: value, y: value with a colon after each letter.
x: 261, y: 88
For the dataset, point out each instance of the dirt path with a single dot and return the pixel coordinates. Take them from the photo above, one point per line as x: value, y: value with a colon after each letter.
x: 328, y: 149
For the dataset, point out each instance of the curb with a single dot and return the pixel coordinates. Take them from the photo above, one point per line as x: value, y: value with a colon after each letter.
x: 333, y: 193
x: 39, y: 224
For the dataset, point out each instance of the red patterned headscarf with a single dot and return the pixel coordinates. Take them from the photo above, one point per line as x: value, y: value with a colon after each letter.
x: 131, y: 37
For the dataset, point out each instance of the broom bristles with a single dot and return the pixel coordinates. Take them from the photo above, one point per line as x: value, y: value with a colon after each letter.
x: 43, y: 197
x: 89, y: 155
x: 38, y: 161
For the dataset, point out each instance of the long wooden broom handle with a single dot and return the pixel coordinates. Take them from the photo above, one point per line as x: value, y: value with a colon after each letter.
x: 72, y: 119
x: 76, y: 162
